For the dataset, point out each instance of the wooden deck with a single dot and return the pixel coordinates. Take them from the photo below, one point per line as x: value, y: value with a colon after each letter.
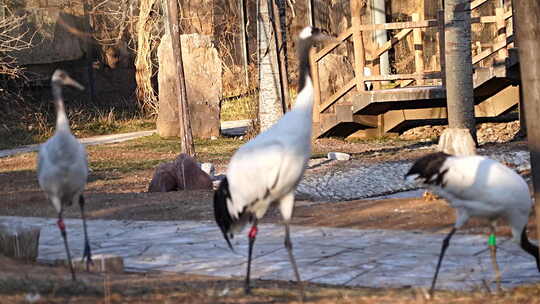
x: 495, y: 66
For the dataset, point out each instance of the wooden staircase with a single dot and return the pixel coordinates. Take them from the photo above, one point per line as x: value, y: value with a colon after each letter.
x: 420, y: 98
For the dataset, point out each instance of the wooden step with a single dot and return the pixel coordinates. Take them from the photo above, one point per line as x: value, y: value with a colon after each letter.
x: 380, y: 101
x: 402, y: 120
x: 342, y: 122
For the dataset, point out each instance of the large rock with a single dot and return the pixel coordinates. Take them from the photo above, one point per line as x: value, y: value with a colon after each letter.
x: 202, y: 69
x: 184, y: 173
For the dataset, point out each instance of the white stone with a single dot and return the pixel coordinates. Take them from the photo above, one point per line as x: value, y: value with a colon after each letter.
x: 208, y: 168
x: 339, y: 156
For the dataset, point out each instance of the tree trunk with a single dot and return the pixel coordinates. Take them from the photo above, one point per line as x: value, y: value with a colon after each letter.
x: 281, y: 50
x: 270, y: 101
x: 459, y: 80
x: 243, y: 38
x: 528, y: 36
x: 87, y: 45
x: 186, y: 137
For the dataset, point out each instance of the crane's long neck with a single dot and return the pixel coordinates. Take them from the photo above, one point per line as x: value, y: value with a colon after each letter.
x: 62, y: 123
x: 304, y: 100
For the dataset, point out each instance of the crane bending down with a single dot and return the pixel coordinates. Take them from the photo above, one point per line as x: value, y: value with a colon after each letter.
x: 63, y: 166
x: 477, y: 186
x: 267, y: 169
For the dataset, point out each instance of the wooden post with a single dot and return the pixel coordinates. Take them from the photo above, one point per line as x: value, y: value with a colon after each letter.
x: 458, y: 69
x: 186, y: 136
x: 19, y: 241
x: 502, y: 54
x: 528, y: 39
x: 281, y: 48
x: 440, y: 21
x: 522, y: 120
x: 359, y: 51
x: 316, y: 87
x: 418, y: 49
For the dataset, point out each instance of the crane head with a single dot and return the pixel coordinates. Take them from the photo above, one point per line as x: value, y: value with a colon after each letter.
x: 61, y: 78
x: 315, y: 34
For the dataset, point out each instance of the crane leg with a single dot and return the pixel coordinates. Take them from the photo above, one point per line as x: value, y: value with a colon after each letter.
x: 288, y: 245
x: 445, y: 244
x: 493, y: 249
x: 87, y: 253
x: 252, y: 236
x: 62, y: 228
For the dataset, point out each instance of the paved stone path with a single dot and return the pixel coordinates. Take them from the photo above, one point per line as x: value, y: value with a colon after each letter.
x: 95, y: 140
x: 373, y: 258
x: 358, y: 180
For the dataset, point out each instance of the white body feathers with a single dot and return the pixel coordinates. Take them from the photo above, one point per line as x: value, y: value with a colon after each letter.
x: 481, y: 187
x: 62, y: 168
x: 62, y: 161
x: 269, y: 167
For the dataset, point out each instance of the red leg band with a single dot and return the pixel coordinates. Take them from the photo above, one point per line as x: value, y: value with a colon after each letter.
x: 61, y: 224
x: 253, y: 232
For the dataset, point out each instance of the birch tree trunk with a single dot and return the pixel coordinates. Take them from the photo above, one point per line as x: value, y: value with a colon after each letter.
x: 270, y: 100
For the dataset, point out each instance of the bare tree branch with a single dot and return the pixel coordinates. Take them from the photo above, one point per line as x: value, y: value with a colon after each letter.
x: 12, y: 38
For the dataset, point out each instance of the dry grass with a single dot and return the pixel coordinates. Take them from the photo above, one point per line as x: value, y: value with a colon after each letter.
x: 170, y: 288
x: 27, y: 120
x: 239, y: 108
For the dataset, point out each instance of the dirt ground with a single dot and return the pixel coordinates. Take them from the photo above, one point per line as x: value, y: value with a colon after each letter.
x: 119, y: 195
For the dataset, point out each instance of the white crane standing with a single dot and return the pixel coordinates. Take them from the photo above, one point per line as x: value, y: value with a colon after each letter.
x: 267, y: 169
x: 63, y: 166
x: 477, y: 186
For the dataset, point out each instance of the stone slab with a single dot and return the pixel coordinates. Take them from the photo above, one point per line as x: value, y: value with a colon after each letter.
x: 370, y: 258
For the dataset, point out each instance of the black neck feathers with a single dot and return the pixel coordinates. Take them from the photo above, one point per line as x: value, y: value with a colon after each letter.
x: 221, y: 211
x: 429, y: 168
x: 304, y: 45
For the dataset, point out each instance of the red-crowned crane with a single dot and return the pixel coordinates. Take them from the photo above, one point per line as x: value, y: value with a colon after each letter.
x: 63, y: 167
x: 267, y: 169
x: 477, y: 186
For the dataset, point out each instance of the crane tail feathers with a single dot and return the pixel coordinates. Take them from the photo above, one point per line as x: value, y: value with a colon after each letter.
x: 529, y: 247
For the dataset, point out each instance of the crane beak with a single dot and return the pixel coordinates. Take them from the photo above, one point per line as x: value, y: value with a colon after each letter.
x: 71, y: 82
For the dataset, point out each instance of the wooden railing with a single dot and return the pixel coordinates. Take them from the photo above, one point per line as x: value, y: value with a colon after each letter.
x: 416, y: 26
